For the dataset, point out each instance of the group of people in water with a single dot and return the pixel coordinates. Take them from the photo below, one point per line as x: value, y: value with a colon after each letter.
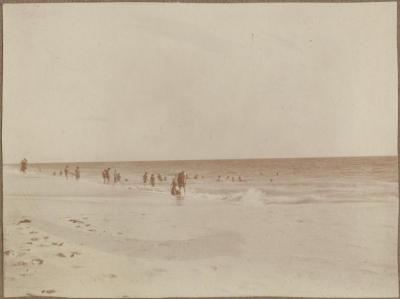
x: 229, y: 178
x: 178, y: 183
x: 152, y: 178
x: 177, y: 186
x: 106, y: 176
x: 67, y: 173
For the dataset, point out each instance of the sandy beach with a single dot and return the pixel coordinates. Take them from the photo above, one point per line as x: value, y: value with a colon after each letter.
x: 84, y: 239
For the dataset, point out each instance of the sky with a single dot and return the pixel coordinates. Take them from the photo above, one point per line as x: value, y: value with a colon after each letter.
x: 170, y: 81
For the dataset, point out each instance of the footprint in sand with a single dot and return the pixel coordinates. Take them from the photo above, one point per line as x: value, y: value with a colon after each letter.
x: 92, y: 230
x: 61, y: 254
x: 45, y: 237
x: 74, y: 253
x: 110, y: 275
x: 24, y: 221
x: 29, y: 243
x: 33, y: 232
x: 34, y: 239
x: 21, y: 263
x: 48, y: 291
x: 8, y: 252
x: 87, y: 225
x: 57, y: 244
x: 37, y: 261
x: 75, y: 221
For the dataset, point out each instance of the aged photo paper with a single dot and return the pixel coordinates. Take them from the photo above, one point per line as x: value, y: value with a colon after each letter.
x: 200, y: 149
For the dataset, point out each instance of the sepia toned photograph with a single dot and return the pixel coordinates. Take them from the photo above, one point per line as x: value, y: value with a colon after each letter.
x: 200, y: 150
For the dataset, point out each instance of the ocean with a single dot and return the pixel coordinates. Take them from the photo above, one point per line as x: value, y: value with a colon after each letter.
x: 292, y: 227
x: 264, y: 181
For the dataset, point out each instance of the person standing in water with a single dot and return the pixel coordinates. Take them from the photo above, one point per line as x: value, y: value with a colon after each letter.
x: 24, y: 165
x: 115, y: 176
x: 152, y: 180
x: 108, y: 174
x: 145, y: 176
x: 174, y: 187
x: 104, y: 175
x: 182, y: 177
x: 66, y: 171
x: 77, y: 173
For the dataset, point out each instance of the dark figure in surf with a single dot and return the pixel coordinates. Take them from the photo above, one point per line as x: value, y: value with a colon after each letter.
x: 182, y: 177
x: 108, y: 174
x: 152, y: 180
x: 145, y: 176
x: 240, y: 179
x: 61, y: 172
x: 115, y: 176
x: 77, y: 173
x: 174, y: 187
x: 66, y: 171
x: 103, y: 174
x: 159, y: 177
x: 24, y: 165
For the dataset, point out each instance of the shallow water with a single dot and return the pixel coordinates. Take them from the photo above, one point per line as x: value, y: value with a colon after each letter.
x: 265, y: 181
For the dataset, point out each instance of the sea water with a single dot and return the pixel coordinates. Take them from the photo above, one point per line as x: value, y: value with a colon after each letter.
x: 264, y: 181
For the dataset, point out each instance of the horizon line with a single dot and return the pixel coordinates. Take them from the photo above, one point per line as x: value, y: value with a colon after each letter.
x: 214, y: 159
